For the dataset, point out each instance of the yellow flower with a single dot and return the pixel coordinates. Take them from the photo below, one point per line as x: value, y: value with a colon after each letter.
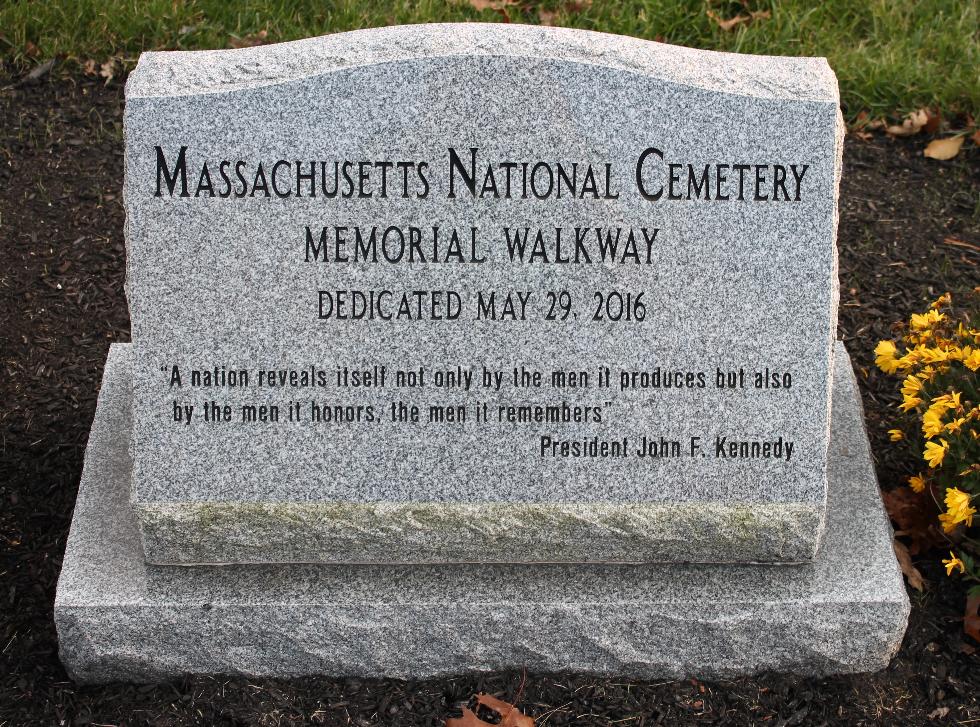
x: 909, y: 404
x: 932, y: 421
x: 922, y: 321
x: 933, y: 355
x: 945, y: 402
x: 911, y: 386
x: 934, y: 453
x: 972, y: 361
x: 953, y: 563
x: 885, y: 356
x: 958, y: 506
x: 956, y: 499
x: 895, y: 435
x: 917, y: 483
x: 954, y: 426
x: 947, y: 521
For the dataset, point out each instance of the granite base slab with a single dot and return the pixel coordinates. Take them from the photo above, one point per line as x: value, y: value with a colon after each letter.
x: 121, y: 619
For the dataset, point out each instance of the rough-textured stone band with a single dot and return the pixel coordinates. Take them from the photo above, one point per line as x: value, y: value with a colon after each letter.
x: 119, y: 618
x: 433, y: 532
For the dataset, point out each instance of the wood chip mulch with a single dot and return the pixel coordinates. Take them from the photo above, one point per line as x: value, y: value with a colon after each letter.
x: 62, y: 304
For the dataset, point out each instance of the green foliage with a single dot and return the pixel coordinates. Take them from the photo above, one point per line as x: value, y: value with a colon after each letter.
x: 891, y: 56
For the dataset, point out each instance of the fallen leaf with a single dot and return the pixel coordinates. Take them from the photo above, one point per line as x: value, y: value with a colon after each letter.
x: 864, y: 122
x: 249, y: 41
x: 731, y: 23
x: 727, y: 25
x: 548, y: 17
x: 934, y: 122
x: 108, y: 70
x: 577, y: 6
x: 90, y: 67
x: 912, y: 124
x: 905, y: 561
x: 943, y: 149
x: 939, y: 713
x: 510, y: 716
x: 976, y: 137
x: 491, y: 4
x: 31, y: 50
x: 971, y: 618
x: 914, y: 515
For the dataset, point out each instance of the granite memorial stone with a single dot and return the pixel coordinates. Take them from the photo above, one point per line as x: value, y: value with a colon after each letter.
x: 421, y: 310
x: 480, y: 293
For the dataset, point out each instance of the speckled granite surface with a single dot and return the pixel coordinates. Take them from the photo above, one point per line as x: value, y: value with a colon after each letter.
x: 744, y: 283
x: 119, y: 618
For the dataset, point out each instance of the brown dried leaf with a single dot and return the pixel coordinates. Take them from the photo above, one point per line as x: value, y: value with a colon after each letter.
x: 90, y: 67
x: 510, y: 716
x: 971, y: 618
x: 976, y: 137
x: 732, y: 23
x: 248, y: 41
x: 108, y: 70
x: 912, y: 124
x: 943, y: 149
x: 548, y: 17
x: 729, y: 24
x: 914, y: 514
x: 864, y: 122
x: 481, y: 5
x: 905, y: 561
x: 934, y: 122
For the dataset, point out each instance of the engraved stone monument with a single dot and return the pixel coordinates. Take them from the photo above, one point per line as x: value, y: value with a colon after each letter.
x: 416, y: 310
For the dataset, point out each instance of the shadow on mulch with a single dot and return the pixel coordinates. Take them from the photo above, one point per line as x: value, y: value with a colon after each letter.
x: 62, y: 304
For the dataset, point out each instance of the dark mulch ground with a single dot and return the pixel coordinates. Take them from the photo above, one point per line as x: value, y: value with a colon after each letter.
x: 62, y: 304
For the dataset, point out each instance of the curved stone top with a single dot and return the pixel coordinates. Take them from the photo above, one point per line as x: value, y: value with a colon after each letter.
x: 186, y: 73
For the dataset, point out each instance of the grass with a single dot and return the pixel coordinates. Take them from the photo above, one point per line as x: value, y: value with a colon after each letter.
x: 891, y: 56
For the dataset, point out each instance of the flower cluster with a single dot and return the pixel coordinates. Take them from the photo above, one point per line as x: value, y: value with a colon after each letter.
x: 938, y: 361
